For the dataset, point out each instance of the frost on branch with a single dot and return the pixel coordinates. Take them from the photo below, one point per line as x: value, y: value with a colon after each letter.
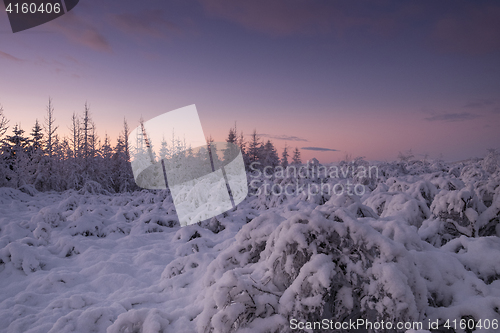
x: 323, y: 265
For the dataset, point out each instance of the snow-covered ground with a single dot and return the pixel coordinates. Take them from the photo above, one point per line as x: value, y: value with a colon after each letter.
x: 420, y: 245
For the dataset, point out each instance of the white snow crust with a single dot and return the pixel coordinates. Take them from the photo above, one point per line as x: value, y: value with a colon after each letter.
x: 421, y: 244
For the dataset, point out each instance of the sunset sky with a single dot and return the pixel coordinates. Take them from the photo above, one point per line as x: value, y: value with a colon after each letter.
x: 367, y: 78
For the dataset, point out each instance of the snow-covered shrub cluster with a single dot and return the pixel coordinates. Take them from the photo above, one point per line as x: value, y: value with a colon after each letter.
x: 420, y: 245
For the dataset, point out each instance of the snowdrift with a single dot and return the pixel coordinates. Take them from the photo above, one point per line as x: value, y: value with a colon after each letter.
x: 420, y: 245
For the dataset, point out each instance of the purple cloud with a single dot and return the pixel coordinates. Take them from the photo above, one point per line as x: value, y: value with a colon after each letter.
x: 473, y: 29
x: 7, y: 56
x: 81, y: 31
x: 479, y: 104
x: 149, y: 23
x: 285, y: 17
x: 452, y: 117
x: 283, y: 137
x: 319, y: 149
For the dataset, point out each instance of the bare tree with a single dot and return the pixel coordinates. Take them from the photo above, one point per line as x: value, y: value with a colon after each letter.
x: 126, y: 133
x: 146, y: 140
x: 75, y: 133
x: 93, y: 140
x: 50, y: 128
x: 3, y: 122
x: 86, y: 131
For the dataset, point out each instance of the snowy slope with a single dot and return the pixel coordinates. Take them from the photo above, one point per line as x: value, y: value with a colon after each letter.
x: 418, y: 246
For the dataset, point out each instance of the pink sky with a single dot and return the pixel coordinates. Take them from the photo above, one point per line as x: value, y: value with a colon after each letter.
x: 366, y: 82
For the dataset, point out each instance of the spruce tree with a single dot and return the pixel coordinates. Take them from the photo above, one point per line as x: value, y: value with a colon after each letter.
x: 232, y: 139
x: 255, y: 150
x: 271, y: 157
x: 296, y: 157
x: 36, y: 137
x: 284, y: 157
x: 213, y: 152
x: 104, y: 165
x: 35, y: 151
x: 15, y: 149
x: 243, y: 147
x: 164, y: 150
x: 126, y: 144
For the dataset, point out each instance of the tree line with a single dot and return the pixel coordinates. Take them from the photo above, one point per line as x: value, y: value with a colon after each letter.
x: 50, y: 162
x: 262, y: 153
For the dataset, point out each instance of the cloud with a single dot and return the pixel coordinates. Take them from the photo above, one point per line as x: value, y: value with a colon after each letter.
x: 427, y: 110
x: 282, y: 137
x: 467, y: 27
x: 275, y: 17
x: 53, y: 65
x: 149, y: 23
x: 319, y: 149
x: 285, y: 17
x: 452, y: 117
x: 58, y: 67
x: 81, y: 31
x: 478, y: 104
x: 10, y: 57
x: 473, y: 29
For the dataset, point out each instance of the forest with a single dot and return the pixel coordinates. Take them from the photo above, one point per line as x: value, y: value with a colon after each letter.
x: 46, y: 161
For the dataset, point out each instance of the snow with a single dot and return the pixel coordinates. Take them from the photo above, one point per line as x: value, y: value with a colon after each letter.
x: 419, y: 245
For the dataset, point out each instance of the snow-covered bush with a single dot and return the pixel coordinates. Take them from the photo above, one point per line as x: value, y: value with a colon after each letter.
x: 420, y: 245
x: 459, y: 211
x: 491, y: 162
x: 489, y: 221
x: 322, y: 265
